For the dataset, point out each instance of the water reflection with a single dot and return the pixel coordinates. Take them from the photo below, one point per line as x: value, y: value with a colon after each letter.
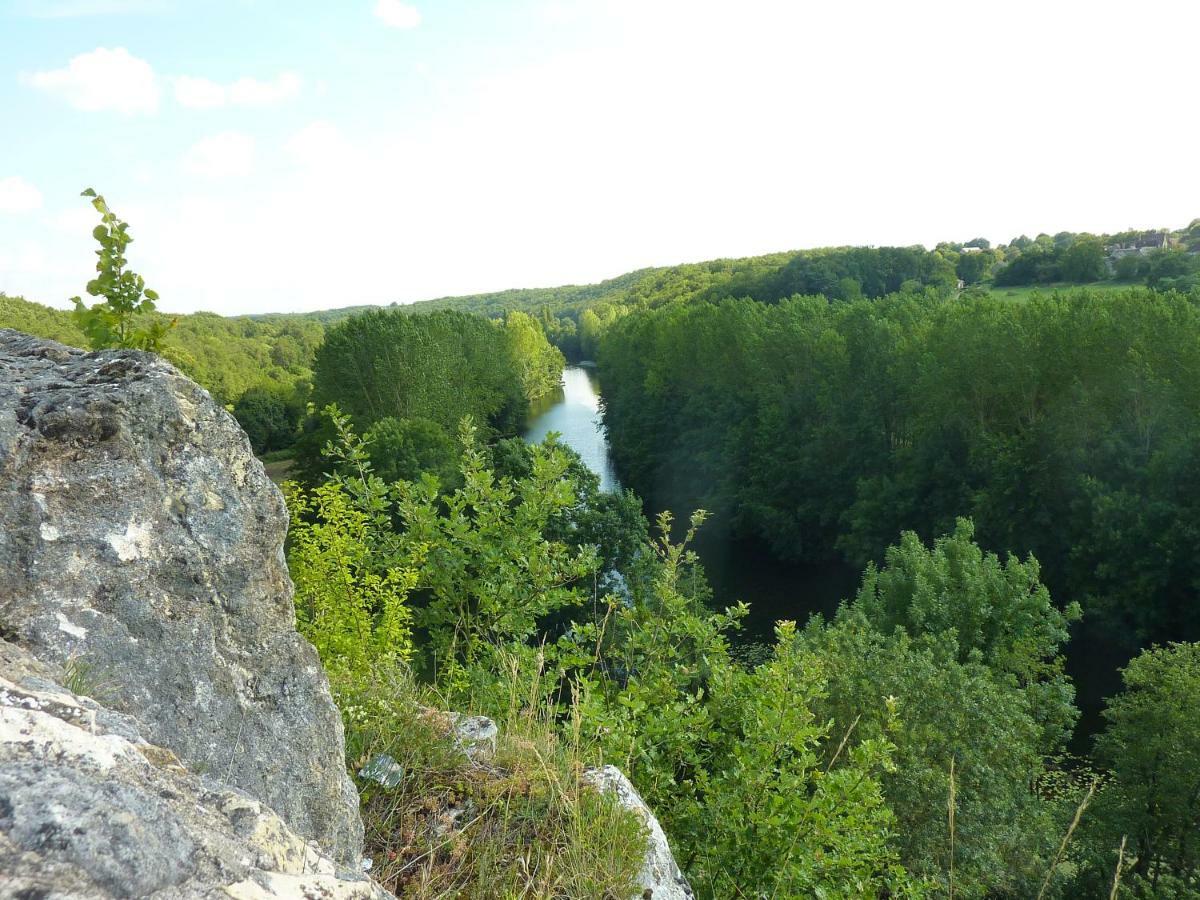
x: 574, y: 412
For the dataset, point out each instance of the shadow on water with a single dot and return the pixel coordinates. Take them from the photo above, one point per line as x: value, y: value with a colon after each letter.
x: 737, y: 570
x: 745, y: 570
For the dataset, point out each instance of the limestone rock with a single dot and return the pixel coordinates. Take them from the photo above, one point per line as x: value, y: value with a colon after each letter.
x: 141, y: 540
x: 475, y: 735
x: 660, y: 877
x: 88, y: 808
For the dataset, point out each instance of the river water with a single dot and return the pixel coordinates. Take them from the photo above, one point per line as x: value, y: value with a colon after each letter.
x: 574, y: 412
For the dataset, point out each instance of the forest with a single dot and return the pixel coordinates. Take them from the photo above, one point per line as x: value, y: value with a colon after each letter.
x: 1065, y: 427
x: 1014, y: 478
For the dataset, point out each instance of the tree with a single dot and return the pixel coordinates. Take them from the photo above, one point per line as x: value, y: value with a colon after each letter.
x: 735, y: 762
x: 349, y: 602
x: 1151, y: 743
x: 943, y: 712
x: 1083, y: 260
x: 539, y: 365
x: 1133, y: 267
x: 125, y: 317
x: 404, y: 449
x: 269, y: 419
x: 997, y: 611
x: 486, y: 573
x: 972, y: 267
x: 442, y: 367
x: 970, y: 647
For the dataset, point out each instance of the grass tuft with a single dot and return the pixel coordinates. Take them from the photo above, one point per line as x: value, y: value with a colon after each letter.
x: 521, y: 823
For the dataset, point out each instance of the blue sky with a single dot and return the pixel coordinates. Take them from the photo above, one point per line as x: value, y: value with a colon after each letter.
x: 304, y: 155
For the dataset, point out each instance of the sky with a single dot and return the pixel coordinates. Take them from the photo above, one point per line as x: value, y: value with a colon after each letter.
x: 301, y: 155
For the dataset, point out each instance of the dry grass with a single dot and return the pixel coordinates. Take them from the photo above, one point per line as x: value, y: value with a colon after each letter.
x: 520, y: 824
x: 1062, y: 849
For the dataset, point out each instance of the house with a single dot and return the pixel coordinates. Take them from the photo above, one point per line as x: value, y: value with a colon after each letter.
x: 1145, y: 243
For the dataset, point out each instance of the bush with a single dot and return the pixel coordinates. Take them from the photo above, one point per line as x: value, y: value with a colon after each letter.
x: 403, y: 449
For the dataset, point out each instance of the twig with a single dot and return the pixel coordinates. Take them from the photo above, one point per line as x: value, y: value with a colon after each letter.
x: 950, y: 804
x: 1067, y: 838
x: 1112, y: 895
x: 841, y: 746
x: 236, y: 743
x: 412, y: 862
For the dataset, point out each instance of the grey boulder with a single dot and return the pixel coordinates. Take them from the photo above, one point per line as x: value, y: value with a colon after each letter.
x: 660, y: 876
x: 88, y: 808
x: 142, y: 544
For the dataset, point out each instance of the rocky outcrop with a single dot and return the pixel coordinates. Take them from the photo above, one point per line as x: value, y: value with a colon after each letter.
x: 89, y: 808
x: 660, y: 877
x: 141, y: 544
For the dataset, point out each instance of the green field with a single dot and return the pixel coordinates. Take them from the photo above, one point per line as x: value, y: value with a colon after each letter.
x: 1024, y: 292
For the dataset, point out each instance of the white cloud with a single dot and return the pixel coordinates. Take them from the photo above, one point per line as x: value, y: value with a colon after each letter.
x: 625, y: 115
x: 320, y: 145
x: 201, y: 93
x: 26, y: 258
x: 198, y: 93
x: 397, y: 14
x: 229, y: 154
x: 17, y: 195
x: 76, y: 220
x: 102, y: 80
x: 250, y: 92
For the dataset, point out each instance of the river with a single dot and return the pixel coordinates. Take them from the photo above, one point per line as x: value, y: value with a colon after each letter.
x: 574, y: 412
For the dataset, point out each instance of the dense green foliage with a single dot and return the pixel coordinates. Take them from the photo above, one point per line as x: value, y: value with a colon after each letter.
x: 574, y: 316
x: 440, y: 367
x: 825, y: 769
x: 496, y: 599
x: 1151, y: 747
x: 350, y: 607
x: 1161, y: 259
x: 970, y: 648
x: 539, y: 365
x: 269, y: 419
x: 404, y: 449
x: 42, y: 321
x: 820, y: 403
x: 1066, y: 427
x: 734, y: 759
x: 371, y: 597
